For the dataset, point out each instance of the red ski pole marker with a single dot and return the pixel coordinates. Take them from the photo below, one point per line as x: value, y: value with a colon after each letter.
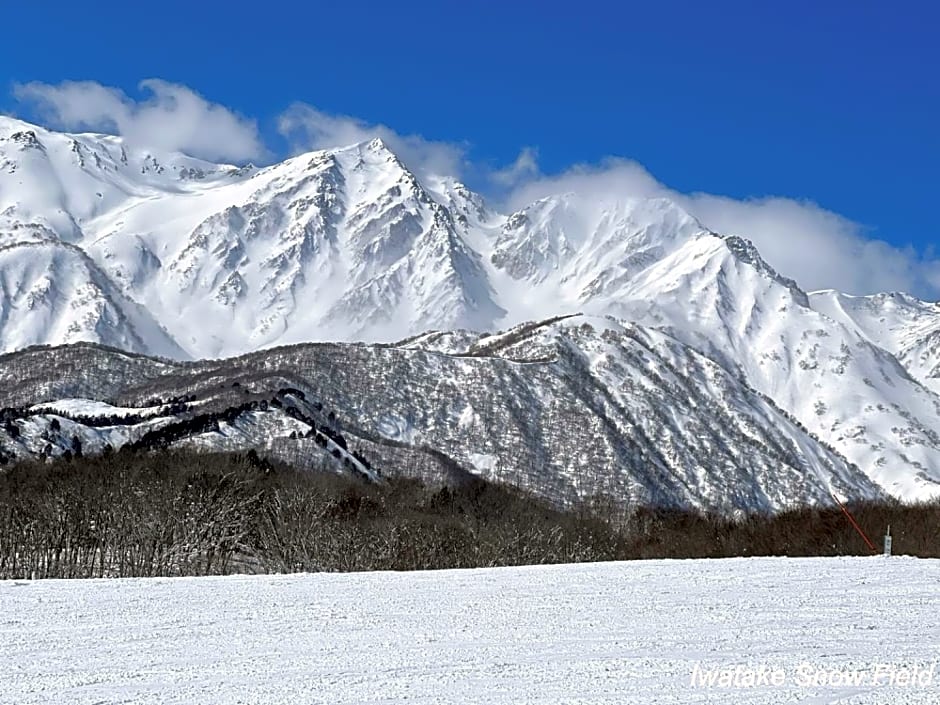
x: 861, y: 533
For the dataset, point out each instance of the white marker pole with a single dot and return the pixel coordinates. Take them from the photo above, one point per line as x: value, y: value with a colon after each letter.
x: 888, y: 542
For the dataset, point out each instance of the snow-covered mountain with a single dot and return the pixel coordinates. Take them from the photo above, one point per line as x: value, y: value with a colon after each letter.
x: 54, y: 291
x: 343, y: 244
x: 160, y: 253
x: 579, y: 407
x: 904, y: 326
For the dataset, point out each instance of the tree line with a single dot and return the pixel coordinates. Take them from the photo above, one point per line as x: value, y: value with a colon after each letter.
x: 168, y: 513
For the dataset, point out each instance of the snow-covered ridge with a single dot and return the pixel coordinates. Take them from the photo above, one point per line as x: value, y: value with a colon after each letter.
x: 570, y: 408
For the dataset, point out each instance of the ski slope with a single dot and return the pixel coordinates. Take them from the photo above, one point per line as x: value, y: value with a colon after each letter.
x: 602, y: 633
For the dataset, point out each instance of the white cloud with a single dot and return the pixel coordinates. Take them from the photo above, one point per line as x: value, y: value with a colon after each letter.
x: 526, y: 166
x: 172, y: 117
x: 612, y: 178
x: 816, y: 247
x: 306, y: 128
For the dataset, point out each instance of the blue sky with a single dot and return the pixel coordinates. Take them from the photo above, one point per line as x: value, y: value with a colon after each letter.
x: 835, y: 103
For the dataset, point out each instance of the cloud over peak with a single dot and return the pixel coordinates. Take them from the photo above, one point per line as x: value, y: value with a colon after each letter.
x: 306, y: 128
x: 818, y: 248
x: 172, y: 117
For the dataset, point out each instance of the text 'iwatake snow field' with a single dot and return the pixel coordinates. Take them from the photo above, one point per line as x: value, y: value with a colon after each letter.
x: 846, y: 630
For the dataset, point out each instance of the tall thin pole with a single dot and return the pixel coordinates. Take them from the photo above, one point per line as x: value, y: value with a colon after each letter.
x: 861, y: 533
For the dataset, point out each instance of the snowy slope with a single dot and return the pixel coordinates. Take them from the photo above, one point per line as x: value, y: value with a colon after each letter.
x: 617, y: 633
x: 265, y: 415
x: 575, y: 252
x: 342, y: 244
x: 52, y: 291
x: 717, y: 296
x: 904, y: 326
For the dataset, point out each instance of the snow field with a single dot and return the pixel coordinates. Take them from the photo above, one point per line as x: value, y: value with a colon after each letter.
x: 594, y: 633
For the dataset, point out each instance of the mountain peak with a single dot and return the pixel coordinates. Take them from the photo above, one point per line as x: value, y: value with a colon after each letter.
x: 10, y: 124
x: 374, y: 152
x: 377, y: 144
x: 376, y: 147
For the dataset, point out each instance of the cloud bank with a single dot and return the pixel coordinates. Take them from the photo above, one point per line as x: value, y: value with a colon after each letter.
x: 816, y: 247
x: 172, y: 117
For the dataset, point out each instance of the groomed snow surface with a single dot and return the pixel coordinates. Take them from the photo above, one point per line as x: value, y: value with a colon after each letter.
x: 595, y: 633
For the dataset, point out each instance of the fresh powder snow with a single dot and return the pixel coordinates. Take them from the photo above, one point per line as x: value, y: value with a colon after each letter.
x: 833, y: 630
